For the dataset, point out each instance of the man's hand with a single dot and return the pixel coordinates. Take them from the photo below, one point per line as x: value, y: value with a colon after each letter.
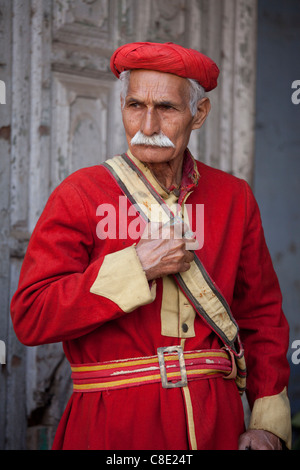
x: 164, y: 252
x: 256, y: 439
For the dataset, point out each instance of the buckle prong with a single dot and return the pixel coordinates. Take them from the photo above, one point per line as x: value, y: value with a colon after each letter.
x: 163, y: 372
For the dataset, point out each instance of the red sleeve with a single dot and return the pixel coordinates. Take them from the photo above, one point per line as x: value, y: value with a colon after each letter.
x: 257, y: 306
x: 53, y: 302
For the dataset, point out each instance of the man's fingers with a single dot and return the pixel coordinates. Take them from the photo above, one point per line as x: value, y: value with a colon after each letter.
x: 177, y: 230
x: 188, y: 256
x: 191, y: 244
x: 244, y: 442
x: 257, y: 439
x: 162, y: 253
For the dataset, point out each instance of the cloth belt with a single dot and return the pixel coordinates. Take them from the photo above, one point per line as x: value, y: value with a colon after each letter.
x: 171, y: 366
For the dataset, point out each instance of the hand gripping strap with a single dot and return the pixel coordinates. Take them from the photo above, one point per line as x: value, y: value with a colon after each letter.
x: 196, y: 283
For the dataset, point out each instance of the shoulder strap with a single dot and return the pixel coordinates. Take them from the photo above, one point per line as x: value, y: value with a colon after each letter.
x: 196, y: 284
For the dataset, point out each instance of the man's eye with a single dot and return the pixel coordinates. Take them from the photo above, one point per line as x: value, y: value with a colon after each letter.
x: 134, y: 105
x: 166, y: 107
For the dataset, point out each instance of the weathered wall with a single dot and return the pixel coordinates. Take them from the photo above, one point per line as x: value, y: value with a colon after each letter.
x: 62, y: 113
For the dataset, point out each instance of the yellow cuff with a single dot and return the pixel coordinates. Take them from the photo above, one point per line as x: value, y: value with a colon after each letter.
x: 121, y: 279
x: 273, y: 414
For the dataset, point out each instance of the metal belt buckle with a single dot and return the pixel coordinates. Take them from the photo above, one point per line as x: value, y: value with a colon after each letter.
x: 163, y: 372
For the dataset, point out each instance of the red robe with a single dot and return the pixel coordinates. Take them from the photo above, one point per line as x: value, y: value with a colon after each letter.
x: 53, y: 303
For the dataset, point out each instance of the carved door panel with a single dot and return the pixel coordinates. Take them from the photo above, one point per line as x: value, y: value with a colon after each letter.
x: 76, y: 122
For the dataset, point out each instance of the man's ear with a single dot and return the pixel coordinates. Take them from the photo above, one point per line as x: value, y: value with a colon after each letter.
x: 203, y: 108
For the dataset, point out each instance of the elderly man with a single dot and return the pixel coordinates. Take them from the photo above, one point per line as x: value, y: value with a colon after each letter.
x: 159, y: 324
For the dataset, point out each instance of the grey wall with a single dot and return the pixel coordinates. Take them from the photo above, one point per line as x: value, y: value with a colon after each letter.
x: 277, y: 155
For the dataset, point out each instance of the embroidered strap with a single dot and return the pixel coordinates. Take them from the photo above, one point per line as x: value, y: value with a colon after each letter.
x: 196, y: 283
x: 175, y: 370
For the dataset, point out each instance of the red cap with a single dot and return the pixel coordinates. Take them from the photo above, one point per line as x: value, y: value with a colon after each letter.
x: 169, y: 58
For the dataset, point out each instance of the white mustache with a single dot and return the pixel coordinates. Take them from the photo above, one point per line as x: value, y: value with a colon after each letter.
x: 155, y: 140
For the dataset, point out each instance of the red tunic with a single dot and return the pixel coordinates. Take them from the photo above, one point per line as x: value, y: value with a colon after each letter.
x: 53, y: 303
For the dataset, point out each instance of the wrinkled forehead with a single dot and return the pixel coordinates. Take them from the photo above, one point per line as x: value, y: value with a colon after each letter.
x: 150, y: 84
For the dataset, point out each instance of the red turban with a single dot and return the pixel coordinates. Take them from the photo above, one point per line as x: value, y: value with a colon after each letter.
x: 169, y: 58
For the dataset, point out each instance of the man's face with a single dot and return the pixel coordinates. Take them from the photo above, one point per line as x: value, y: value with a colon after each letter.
x: 157, y: 103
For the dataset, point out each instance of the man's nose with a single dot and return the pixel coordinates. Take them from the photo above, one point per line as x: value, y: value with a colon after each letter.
x: 150, y: 123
